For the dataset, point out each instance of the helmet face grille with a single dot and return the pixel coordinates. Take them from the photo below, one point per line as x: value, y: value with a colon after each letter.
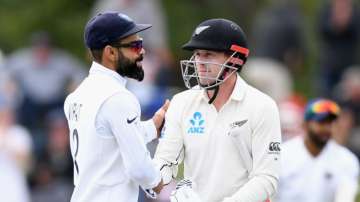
x: 207, y: 80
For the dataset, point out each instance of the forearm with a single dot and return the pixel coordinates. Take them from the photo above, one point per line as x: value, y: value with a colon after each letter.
x: 145, y: 174
x: 149, y: 130
x: 257, y: 189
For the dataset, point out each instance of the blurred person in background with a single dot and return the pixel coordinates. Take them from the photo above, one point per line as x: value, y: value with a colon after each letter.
x: 52, y: 177
x: 226, y: 132
x: 348, y: 94
x: 291, y: 119
x: 8, y: 86
x: 13, y: 187
x: 270, y: 77
x: 44, y: 74
x: 278, y: 34
x: 47, y: 186
x: 339, y: 32
x: 314, y: 167
x: 15, y: 140
x: 58, y: 153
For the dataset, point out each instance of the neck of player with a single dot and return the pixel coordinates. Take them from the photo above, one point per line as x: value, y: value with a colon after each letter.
x: 225, y: 91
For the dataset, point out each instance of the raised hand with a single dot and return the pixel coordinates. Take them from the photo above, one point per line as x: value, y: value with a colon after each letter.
x: 159, y: 117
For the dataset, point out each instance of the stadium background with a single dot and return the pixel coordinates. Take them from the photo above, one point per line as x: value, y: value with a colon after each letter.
x: 64, y: 21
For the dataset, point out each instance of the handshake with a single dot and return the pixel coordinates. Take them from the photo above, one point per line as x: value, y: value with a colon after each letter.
x: 184, y: 192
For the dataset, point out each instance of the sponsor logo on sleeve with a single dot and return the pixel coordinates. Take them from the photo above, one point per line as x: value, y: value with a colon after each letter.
x: 129, y: 121
x: 274, y: 148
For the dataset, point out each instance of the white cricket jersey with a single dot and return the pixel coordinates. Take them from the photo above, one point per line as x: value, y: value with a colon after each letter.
x: 108, y: 140
x: 317, y: 179
x: 232, y: 153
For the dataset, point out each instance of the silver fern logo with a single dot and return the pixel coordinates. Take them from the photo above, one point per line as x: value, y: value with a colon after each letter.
x: 200, y: 29
x: 238, y: 124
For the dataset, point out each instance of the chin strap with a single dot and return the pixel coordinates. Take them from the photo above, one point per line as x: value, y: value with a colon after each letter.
x: 216, y: 91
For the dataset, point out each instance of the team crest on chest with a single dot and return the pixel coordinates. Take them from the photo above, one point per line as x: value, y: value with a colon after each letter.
x: 197, y: 124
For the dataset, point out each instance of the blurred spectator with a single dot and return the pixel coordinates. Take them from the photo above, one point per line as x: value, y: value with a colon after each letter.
x: 339, y: 35
x: 270, y: 77
x: 348, y: 91
x: 291, y: 119
x: 278, y: 33
x: 348, y: 94
x: 8, y: 86
x: 15, y: 141
x: 315, y: 167
x: 52, y: 178
x: 43, y: 74
x: 13, y: 186
x: 49, y: 188
x: 58, y: 152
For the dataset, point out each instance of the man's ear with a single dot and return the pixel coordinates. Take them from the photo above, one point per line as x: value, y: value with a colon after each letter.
x: 110, y: 54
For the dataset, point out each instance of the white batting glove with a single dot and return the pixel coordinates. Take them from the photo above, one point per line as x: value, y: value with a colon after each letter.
x: 150, y: 193
x: 184, y: 192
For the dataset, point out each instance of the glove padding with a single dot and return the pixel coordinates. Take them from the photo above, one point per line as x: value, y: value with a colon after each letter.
x: 184, y: 192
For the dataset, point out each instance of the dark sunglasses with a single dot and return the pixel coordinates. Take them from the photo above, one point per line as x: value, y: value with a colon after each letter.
x: 135, y: 46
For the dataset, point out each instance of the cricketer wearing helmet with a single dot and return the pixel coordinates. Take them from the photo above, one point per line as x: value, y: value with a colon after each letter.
x: 226, y: 132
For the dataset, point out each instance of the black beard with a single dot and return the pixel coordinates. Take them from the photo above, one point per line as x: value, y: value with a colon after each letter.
x: 127, y: 68
x: 317, y: 140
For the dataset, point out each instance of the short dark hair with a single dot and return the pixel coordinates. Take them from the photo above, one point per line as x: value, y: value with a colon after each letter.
x: 97, y: 54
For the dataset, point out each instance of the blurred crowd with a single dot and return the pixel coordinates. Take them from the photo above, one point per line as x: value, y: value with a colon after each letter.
x: 35, y: 159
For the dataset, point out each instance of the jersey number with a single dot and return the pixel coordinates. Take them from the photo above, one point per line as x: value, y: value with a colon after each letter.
x: 75, y: 137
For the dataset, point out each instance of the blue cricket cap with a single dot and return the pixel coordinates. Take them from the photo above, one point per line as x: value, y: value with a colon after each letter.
x: 108, y: 27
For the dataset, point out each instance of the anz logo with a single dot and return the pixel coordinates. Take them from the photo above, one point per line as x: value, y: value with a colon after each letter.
x: 196, y: 124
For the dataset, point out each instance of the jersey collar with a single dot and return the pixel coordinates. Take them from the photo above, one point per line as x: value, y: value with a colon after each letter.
x: 97, y: 68
x: 238, y: 93
x: 239, y: 89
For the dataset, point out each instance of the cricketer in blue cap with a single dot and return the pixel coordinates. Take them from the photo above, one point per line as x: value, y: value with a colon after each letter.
x: 113, y: 41
x: 107, y: 137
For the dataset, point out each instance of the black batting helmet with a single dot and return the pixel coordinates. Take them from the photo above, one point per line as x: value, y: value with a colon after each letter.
x: 219, y: 35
